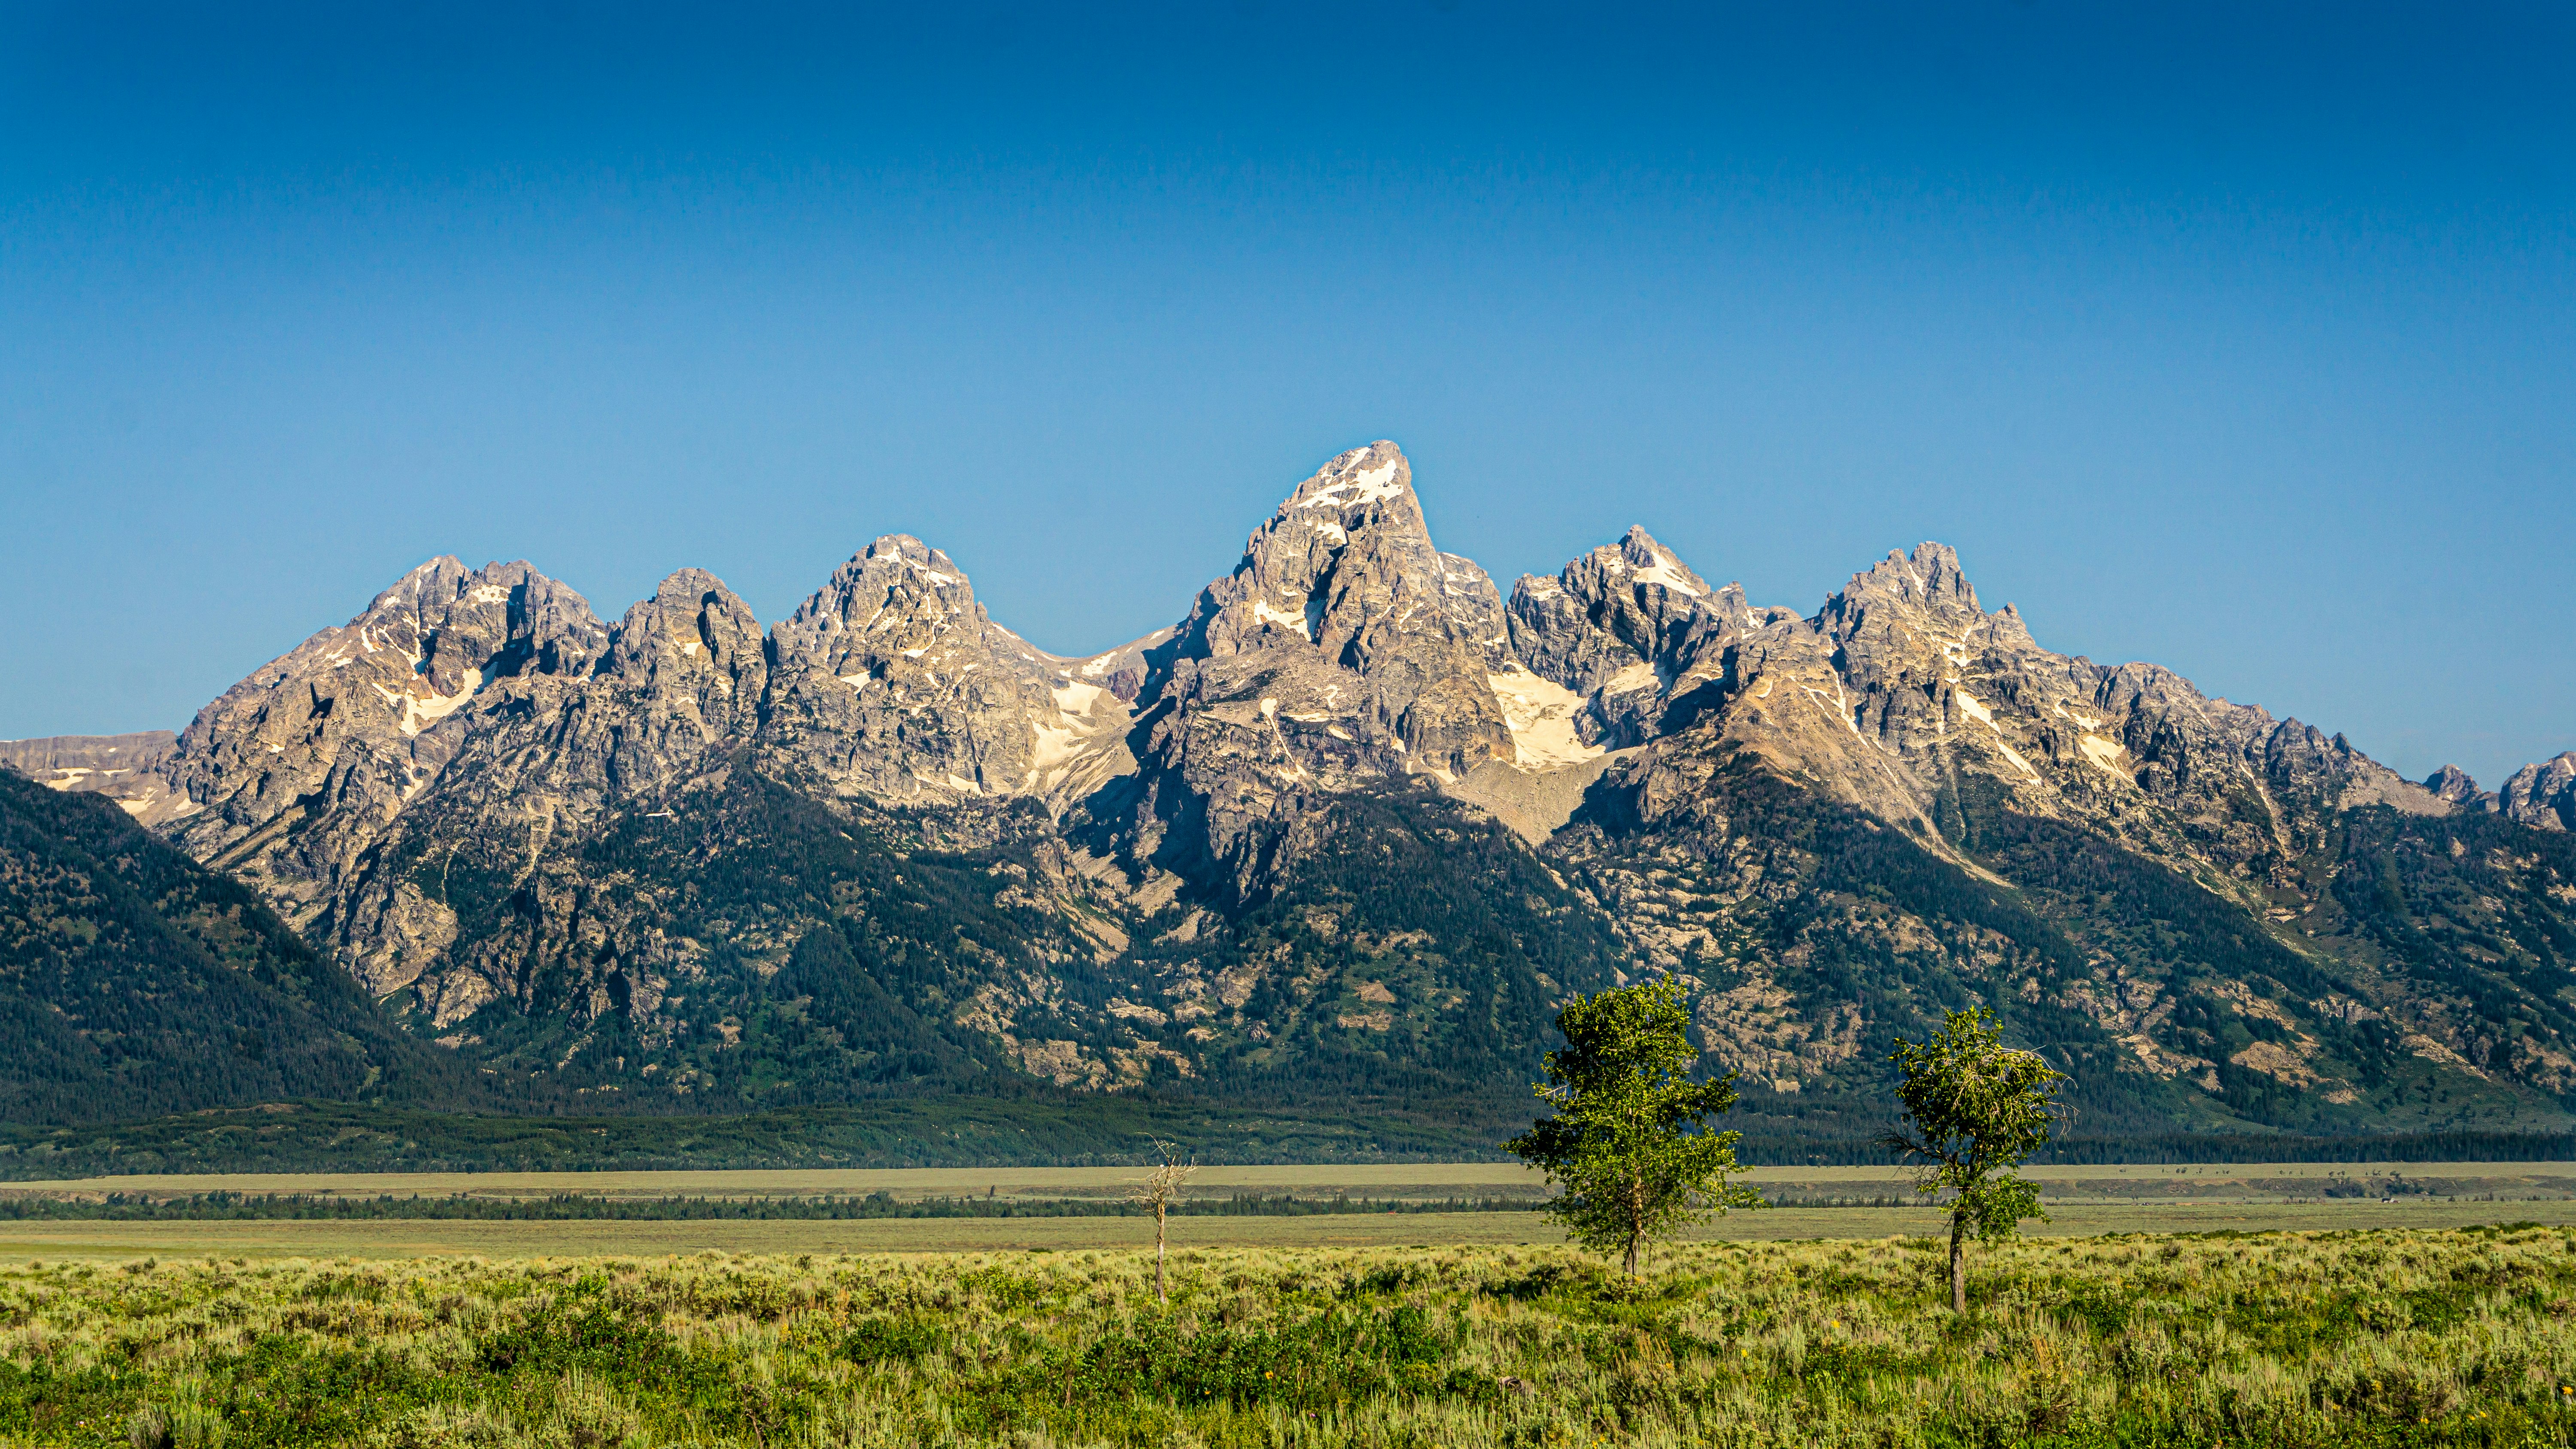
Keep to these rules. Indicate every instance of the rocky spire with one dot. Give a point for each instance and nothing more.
(2542, 796)
(1344, 649)
(892, 682)
(1630, 628)
(2453, 784)
(1927, 584)
(1343, 609)
(688, 670)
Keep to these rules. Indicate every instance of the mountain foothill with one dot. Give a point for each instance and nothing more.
(1337, 839)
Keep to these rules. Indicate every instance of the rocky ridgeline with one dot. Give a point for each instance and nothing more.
(426, 790)
(2542, 796)
(123, 768)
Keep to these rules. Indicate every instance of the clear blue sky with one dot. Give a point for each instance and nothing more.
(2240, 338)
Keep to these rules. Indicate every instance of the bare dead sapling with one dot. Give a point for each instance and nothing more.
(1161, 1188)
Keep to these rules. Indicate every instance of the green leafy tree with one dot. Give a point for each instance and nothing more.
(1629, 1142)
(1978, 1110)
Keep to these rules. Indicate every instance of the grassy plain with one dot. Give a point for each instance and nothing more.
(414, 1238)
(2397, 1338)
(2083, 1201)
(1438, 1179)
(2274, 1182)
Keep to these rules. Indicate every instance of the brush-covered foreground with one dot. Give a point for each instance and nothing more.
(2286, 1339)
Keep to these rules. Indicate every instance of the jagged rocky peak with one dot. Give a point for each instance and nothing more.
(1343, 650)
(1344, 615)
(2454, 784)
(1285, 587)
(298, 777)
(1642, 563)
(496, 620)
(695, 649)
(1930, 574)
(1910, 591)
(897, 601)
(892, 682)
(2543, 795)
(1629, 629)
(691, 618)
(389, 685)
(1903, 682)
(893, 586)
(1915, 657)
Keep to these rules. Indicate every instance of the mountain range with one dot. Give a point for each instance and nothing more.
(1336, 839)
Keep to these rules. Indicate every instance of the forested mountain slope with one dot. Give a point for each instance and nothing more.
(135, 982)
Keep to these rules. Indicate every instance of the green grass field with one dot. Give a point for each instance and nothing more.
(20, 1242)
(2351, 1340)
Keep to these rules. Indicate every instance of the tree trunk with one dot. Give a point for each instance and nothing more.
(1636, 1225)
(1958, 1264)
(1158, 1255)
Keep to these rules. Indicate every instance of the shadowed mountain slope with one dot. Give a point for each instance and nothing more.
(135, 982)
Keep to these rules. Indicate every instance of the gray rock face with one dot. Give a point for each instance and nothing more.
(463, 728)
(471, 728)
(892, 683)
(124, 768)
(675, 687)
(2453, 784)
(294, 773)
(1476, 610)
(1342, 601)
(1631, 629)
(1904, 684)
(2542, 796)
(692, 661)
(1904, 696)
(1344, 649)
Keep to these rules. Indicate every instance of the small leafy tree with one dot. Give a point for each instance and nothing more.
(1978, 1110)
(1160, 1188)
(1629, 1142)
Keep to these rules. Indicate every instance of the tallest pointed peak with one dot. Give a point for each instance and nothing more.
(1377, 473)
(1374, 455)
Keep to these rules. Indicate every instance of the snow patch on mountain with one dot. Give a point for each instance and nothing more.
(1284, 620)
(1667, 573)
(2101, 752)
(1540, 714)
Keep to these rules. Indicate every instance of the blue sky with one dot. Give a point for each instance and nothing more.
(2231, 337)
